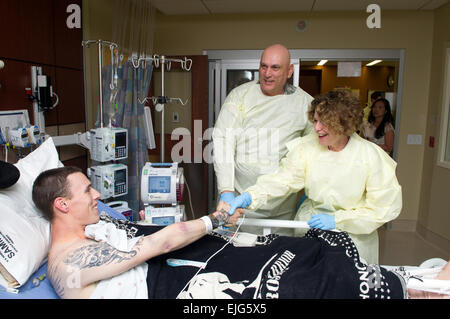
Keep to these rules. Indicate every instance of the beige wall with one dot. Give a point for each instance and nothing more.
(434, 212)
(412, 31)
(97, 25)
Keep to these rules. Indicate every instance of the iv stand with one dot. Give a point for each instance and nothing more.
(112, 47)
(186, 64)
(82, 139)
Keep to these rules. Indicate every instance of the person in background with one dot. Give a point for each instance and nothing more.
(255, 122)
(350, 183)
(378, 128)
(373, 97)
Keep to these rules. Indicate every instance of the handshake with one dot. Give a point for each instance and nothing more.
(231, 207)
(232, 204)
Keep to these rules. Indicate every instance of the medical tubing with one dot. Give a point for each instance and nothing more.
(212, 256)
(190, 199)
(100, 80)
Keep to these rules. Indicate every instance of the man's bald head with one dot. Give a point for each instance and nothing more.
(275, 69)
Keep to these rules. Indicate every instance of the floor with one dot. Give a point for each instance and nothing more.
(406, 248)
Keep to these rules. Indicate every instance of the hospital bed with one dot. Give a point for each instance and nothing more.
(424, 273)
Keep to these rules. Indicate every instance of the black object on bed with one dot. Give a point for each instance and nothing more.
(9, 175)
(322, 264)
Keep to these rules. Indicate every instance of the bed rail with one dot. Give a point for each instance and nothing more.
(268, 224)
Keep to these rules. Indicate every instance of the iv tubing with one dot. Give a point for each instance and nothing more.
(100, 63)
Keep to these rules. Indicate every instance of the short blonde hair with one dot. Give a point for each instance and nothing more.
(338, 110)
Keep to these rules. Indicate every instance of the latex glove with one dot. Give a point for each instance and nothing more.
(322, 221)
(242, 201)
(227, 197)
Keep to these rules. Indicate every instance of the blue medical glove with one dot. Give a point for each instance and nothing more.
(242, 201)
(322, 221)
(227, 197)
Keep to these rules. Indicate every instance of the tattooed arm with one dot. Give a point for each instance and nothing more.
(74, 271)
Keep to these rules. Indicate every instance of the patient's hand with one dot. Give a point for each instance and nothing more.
(222, 218)
(222, 205)
(238, 213)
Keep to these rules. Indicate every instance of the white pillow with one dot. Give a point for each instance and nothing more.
(24, 233)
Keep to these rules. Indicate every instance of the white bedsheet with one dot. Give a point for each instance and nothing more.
(131, 284)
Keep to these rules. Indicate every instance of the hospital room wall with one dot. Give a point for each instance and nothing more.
(434, 213)
(35, 33)
(97, 15)
(408, 30)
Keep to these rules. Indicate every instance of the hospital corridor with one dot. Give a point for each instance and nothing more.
(224, 149)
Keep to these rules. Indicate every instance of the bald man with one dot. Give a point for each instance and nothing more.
(255, 122)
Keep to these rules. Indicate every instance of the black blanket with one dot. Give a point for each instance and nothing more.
(322, 264)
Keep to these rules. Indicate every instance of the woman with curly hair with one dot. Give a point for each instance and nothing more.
(350, 183)
(378, 128)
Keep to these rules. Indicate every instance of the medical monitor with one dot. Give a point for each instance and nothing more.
(159, 184)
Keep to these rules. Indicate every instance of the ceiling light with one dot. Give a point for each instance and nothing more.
(373, 62)
(322, 62)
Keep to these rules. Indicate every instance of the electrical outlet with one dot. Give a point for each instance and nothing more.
(414, 139)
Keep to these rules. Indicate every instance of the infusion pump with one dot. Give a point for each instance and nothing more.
(164, 216)
(109, 180)
(162, 187)
(108, 144)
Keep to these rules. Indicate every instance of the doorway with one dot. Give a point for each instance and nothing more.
(311, 81)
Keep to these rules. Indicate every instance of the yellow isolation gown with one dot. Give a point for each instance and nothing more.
(357, 185)
(249, 140)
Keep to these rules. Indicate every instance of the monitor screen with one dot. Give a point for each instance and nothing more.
(120, 176)
(121, 139)
(163, 220)
(159, 184)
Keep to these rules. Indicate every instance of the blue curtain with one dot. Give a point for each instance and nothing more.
(125, 111)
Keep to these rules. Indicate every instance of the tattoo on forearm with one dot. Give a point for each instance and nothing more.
(219, 218)
(97, 254)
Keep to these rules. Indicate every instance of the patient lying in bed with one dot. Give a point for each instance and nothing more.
(94, 257)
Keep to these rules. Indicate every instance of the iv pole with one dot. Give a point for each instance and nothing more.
(82, 139)
(112, 47)
(163, 62)
(160, 101)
